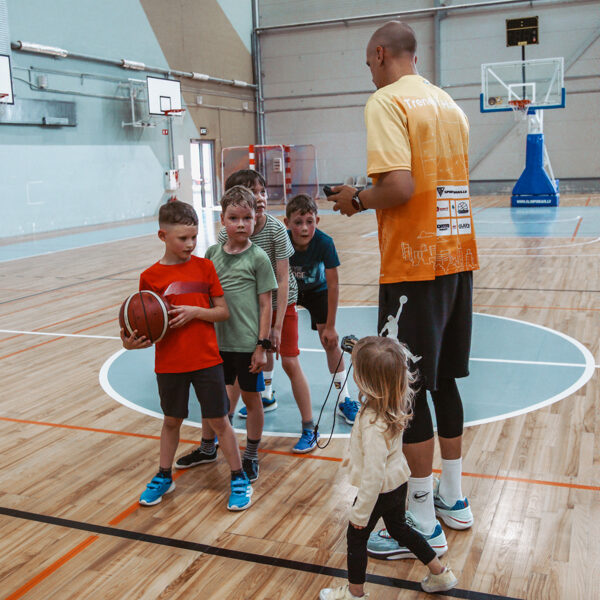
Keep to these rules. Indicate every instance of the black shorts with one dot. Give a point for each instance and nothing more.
(209, 385)
(236, 366)
(434, 319)
(316, 304)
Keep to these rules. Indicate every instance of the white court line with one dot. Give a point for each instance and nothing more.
(75, 335)
(511, 222)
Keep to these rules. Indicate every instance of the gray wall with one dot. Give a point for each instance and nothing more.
(300, 63)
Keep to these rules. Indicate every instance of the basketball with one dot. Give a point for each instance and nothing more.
(147, 313)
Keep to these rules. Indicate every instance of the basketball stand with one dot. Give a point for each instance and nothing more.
(527, 88)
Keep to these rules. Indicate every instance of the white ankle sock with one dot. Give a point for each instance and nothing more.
(450, 481)
(338, 381)
(420, 502)
(268, 393)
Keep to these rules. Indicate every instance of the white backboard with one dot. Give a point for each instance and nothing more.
(163, 94)
(5, 81)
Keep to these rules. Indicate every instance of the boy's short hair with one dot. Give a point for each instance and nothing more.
(238, 195)
(175, 212)
(245, 177)
(302, 203)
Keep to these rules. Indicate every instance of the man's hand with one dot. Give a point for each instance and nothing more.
(342, 199)
(329, 338)
(180, 315)
(259, 360)
(275, 337)
(133, 342)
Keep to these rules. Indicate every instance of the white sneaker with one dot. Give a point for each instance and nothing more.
(341, 593)
(458, 516)
(439, 583)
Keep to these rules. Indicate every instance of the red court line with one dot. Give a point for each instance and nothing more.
(157, 437)
(53, 567)
(587, 202)
(576, 228)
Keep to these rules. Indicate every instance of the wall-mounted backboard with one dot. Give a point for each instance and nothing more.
(6, 89)
(163, 95)
(539, 81)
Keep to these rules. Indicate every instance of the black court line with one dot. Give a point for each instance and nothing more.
(243, 556)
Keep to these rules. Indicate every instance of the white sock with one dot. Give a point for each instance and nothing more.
(268, 393)
(450, 482)
(420, 502)
(338, 381)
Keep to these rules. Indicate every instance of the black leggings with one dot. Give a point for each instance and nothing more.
(390, 506)
(448, 413)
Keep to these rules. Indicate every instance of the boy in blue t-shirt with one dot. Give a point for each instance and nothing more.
(314, 265)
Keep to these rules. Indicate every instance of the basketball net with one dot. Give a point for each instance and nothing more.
(519, 108)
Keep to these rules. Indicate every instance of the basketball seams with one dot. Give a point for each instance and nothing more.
(165, 312)
(147, 313)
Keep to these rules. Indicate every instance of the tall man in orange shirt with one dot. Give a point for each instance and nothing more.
(417, 157)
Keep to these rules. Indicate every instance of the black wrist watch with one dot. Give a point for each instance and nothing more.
(266, 344)
(358, 205)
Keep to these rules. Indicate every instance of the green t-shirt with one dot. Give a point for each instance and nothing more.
(243, 277)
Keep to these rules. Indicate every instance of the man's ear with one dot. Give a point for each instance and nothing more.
(286, 222)
(317, 219)
(380, 54)
(161, 235)
(222, 220)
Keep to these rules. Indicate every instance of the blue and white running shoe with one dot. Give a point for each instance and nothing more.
(307, 442)
(156, 489)
(349, 409)
(458, 516)
(241, 493)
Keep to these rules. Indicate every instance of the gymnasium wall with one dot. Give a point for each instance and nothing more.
(316, 83)
(57, 177)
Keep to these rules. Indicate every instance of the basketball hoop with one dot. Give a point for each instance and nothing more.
(174, 112)
(520, 108)
(3, 96)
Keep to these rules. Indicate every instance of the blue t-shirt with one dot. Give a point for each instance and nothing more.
(309, 266)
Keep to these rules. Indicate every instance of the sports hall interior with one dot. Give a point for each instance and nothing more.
(84, 169)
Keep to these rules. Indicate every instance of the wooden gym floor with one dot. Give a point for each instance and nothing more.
(74, 461)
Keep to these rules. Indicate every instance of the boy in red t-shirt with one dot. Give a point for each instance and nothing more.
(189, 353)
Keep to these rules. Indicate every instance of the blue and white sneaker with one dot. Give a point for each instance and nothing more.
(458, 516)
(156, 489)
(307, 442)
(269, 404)
(382, 545)
(349, 409)
(241, 493)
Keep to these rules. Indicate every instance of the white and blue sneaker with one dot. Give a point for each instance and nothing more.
(307, 442)
(241, 493)
(349, 409)
(156, 489)
(458, 516)
(269, 404)
(382, 545)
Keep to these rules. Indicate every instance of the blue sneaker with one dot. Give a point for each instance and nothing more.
(250, 466)
(241, 493)
(269, 404)
(307, 442)
(156, 489)
(458, 516)
(382, 545)
(349, 409)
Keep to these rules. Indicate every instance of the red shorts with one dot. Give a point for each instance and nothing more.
(289, 332)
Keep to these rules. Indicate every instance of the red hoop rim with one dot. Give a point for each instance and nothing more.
(173, 111)
(519, 104)
(3, 95)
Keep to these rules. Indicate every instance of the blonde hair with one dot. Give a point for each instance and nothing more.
(384, 380)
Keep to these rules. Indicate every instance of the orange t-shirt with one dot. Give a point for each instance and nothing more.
(193, 283)
(415, 126)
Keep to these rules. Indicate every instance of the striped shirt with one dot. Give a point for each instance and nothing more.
(274, 240)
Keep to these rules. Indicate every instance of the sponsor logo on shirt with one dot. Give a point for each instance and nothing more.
(443, 227)
(463, 208)
(464, 226)
(443, 209)
(452, 191)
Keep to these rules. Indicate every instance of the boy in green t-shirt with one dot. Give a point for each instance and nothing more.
(247, 279)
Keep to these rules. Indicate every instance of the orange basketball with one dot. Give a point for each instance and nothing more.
(147, 313)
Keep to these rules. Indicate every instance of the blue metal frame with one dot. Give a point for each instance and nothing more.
(531, 109)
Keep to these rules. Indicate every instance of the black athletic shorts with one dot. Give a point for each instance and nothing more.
(316, 304)
(236, 366)
(209, 385)
(434, 319)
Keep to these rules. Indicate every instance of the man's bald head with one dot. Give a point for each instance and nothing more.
(396, 37)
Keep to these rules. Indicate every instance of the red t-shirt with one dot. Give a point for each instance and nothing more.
(193, 346)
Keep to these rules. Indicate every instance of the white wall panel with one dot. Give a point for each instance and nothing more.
(301, 63)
